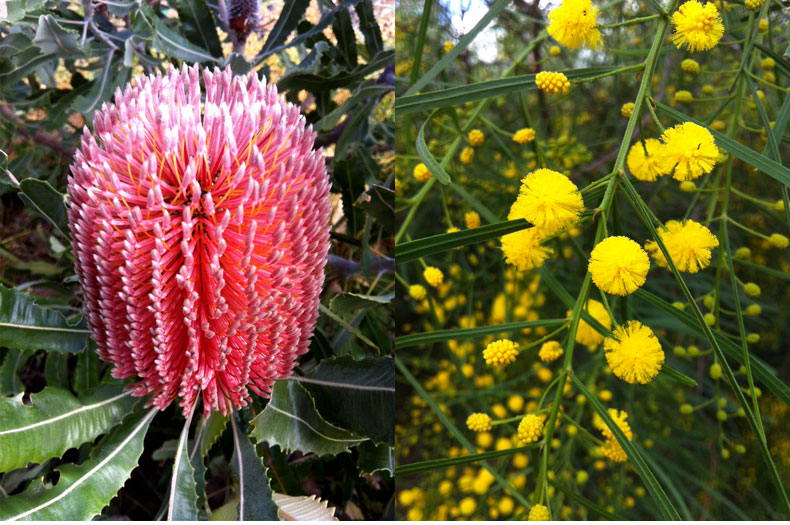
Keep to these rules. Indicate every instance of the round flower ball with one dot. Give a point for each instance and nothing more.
(501, 352)
(697, 27)
(634, 353)
(433, 276)
(618, 265)
(549, 200)
(476, 138)
(644, 160)
(524, 136)
(200, 226)
(689, 150)
(574, 24)
(530, 429)
(478, 422)
(550, 351)
(586, 334)
(552, 82)
(539, 513)
(421, 172)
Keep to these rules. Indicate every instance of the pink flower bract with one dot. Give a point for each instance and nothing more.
(200, 225)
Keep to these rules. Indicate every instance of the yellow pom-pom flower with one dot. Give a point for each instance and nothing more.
(555, 51)
(684, 97)
(586, 334)
(472, 219)
(478, 422)
(619, 417)
(618, 265)
(614, 451)
(448, 46)
(573, 24)
(697, 27)
(768, 63)
(549, 200)
(530, 429)
(467, 155)
(688, 243)
(550, 351)
(634, 353)
(752, 289)
(417, 292)
(539, 513)
(523, 250)
(524, 136)
(554, 83)
(627, 109)
(690, 150)
(646, 166)
(502, 352)
(421, 172)
(708, 90)
(690, 66)
(476, 138)
(778, 240)
(753, 5)
(433, 276)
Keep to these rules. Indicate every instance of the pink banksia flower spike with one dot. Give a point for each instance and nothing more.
(200, 227)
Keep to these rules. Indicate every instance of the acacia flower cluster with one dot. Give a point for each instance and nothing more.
(200, 221)
(573, 24)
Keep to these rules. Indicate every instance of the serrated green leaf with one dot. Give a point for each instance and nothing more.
(199, 24)
(369, 27)
(26, 326)
(174, 45)
(57, 421)
(46, 201)
(84, 490)
(351, 302)
(291, 421)
(375, 458)
(255, 495)
(291, 14)
(16, 9)
(52, 38)
(13, 44)
(86, 373)
(356, 395)
(10, 383)
(182, 500)
(13, 71)
(417, 249)
(100, 91)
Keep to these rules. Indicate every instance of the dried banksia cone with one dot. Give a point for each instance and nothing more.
(200, 230)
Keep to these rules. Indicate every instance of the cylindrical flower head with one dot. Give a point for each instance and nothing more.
(200, 225)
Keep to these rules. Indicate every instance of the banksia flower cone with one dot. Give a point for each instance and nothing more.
(200, 232)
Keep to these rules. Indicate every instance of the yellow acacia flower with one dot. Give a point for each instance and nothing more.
(551, 82)
(646, 166)
(688, 243)
(448, 46)
(690, 66)
(573, 24)
(555, 51)
(550, 351)
(421, 172)
(523, 250)
(530, 429)
(472, 219)
(684, 97)
(501, 352)
(634, 353)
(476, 138)
(753, 5)
(698, 27)
(549, 200)
(690, 150)
(627, 109)
(614, 451)
(752, 289)
(539, 513)
(778, 240)
(767, 63)
(467, 155)
(433, 276)
(619, 417)
(524, 136)
(586, 334)
(417, 292)
(478, 422)
(618, 265)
